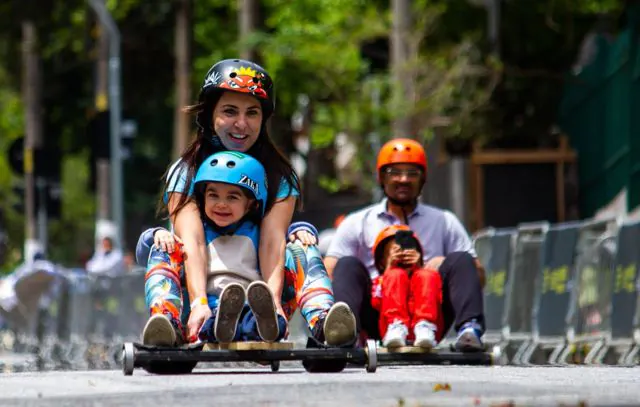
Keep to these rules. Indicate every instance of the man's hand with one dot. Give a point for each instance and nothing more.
(199, 314)
(435, 262)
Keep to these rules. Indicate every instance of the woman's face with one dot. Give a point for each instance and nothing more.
(237, 120)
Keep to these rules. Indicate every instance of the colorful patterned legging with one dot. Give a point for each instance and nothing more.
(306, 286)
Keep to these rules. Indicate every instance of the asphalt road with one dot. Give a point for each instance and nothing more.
(389, 386)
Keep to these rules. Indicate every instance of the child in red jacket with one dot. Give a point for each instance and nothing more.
(408, 295)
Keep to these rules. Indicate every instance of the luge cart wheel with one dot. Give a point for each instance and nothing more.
(275, 365)
(372, 356)
(128, 358)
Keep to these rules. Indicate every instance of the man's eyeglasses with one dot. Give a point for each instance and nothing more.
(396, 173)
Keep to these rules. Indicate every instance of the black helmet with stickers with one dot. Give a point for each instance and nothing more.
(236, 75)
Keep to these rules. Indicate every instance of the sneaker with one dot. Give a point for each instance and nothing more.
(230, 307)
(159, 331)
(468, 339)
(396, 335)
(425, 335)
(339, 325)
(261, 303)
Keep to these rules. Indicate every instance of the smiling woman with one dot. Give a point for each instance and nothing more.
(236, 100)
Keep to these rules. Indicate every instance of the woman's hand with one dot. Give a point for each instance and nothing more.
(199, 314)
(306, 238)
(166, 241)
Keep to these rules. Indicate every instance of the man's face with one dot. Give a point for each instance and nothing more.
(402, 182)
(107, 244)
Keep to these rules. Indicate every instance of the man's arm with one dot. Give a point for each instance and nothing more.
(344, 243)
(458, 240)
(330, 263)
(481, 272)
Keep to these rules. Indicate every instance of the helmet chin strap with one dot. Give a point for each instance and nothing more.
(404, 205)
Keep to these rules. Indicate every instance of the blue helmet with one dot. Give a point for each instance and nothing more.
(235, 168)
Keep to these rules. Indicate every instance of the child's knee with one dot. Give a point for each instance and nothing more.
(428, 274)
(395, 272)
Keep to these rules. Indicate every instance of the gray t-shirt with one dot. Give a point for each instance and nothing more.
(440, 233)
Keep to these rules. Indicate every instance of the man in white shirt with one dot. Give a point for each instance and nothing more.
(446, 246)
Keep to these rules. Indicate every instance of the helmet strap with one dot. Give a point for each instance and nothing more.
(404, 207)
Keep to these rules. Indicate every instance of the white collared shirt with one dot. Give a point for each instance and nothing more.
(440, 233)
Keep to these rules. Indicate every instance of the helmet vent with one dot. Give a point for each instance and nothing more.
(231, 164)
(214, 162)
(233, 75)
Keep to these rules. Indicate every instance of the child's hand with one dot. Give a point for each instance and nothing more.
(394, 257)
(411, 257)
(166, 241)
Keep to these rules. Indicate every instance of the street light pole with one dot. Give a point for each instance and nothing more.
(115, 116)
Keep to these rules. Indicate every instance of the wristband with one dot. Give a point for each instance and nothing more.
(199, 301)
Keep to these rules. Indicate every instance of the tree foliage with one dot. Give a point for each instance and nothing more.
(311, 48)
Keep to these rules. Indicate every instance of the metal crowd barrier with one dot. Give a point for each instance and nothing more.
(564, 293)
(81, 323)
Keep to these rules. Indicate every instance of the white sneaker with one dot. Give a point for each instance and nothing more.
(396, 335)
(425, 333)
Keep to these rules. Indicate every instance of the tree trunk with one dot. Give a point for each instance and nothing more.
(182, 51)
(402, 79)
(248, 23)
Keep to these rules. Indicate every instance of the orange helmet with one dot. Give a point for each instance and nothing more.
(402, 151)
(386, 233)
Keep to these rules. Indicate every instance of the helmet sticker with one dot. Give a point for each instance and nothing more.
(212, 79)
(253, 185)
(245, 80)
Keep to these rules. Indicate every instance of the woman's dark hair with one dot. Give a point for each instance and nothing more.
(276, 165)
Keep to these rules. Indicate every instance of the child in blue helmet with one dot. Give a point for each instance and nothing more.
(230, 191)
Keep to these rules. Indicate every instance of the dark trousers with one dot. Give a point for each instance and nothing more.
(462, 298)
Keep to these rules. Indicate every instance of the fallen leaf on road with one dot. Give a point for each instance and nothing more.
(442, 387)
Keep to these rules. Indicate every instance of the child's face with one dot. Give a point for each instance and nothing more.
(225, 204)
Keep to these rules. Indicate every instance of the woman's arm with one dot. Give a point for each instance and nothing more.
(273, 231)
(188, 226)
